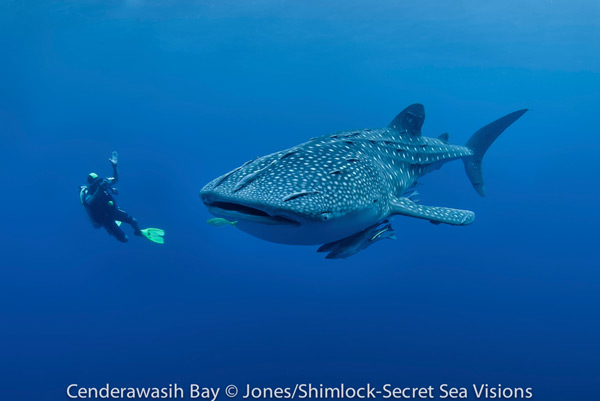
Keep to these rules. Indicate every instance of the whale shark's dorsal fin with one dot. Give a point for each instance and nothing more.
(410, 120)
(444, 137)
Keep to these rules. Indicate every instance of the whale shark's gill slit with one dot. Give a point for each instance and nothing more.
(352, 159)
(299, 194)
(335, 172)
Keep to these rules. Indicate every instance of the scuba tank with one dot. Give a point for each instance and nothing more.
(82, 194)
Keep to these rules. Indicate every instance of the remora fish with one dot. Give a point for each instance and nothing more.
(339, 189)
(220, 222)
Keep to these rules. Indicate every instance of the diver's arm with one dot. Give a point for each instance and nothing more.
(114, 161)
(115, 178)
(90, 199)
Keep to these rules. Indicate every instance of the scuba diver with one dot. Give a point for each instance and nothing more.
(97, 200)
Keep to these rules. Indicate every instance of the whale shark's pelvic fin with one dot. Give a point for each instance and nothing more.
(348, 246)
(480, 142)
(435, 214)
(410, 120)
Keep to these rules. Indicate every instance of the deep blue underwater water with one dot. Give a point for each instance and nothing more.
(187, 91)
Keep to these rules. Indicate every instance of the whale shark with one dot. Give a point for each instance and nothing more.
(341, 190)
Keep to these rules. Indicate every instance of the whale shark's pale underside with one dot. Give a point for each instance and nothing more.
(340, 190)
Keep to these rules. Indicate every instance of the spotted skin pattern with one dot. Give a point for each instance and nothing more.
(335, 186)
(353, 168)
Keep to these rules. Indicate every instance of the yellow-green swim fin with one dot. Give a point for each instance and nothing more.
(154, 235)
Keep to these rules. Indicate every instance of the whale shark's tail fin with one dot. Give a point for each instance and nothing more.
(480, 142)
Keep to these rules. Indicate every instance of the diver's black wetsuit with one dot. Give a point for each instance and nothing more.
(104, 210)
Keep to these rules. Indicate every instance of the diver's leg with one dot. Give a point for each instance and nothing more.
(121, 215)
(113, 229)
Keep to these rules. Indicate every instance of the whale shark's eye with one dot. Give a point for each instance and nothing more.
(325, 216)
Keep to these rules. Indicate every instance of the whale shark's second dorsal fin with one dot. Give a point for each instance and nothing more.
(444, 137)
(410, 120)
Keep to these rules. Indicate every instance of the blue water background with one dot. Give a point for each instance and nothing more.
(187, 91)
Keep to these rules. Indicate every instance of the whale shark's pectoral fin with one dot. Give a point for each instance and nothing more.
(435, 214)
(350, 245)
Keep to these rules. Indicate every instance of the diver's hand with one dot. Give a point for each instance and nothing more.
(114, 158)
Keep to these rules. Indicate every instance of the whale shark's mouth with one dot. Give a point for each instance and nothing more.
(239, 211)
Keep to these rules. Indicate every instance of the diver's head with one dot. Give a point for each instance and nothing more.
(92, 178)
